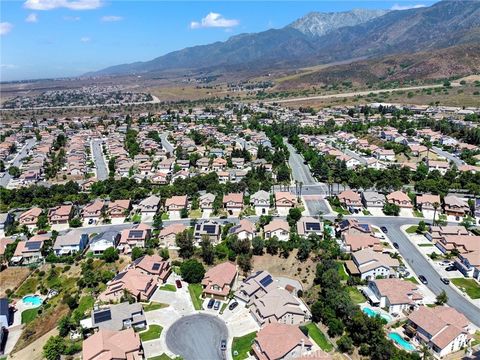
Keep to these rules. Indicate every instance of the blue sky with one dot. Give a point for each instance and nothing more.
(56, 38)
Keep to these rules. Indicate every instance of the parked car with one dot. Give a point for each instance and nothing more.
(233, 305)
(217, 305)
(450, 268)
(90, 221)
(423, 279)
(384, 229)
(446, 263)
(210, 303)
(395, 245)
(445, 280)
(223, 345)
(178, 283)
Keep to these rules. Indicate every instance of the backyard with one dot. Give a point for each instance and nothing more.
(242, 346)
(315, 333)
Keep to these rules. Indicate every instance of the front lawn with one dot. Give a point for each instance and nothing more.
(168, 287)
(165, 216)
(417, 213)
(195, 291)
(366, 212)
(164, 357)
(153, 332)
(318, 336)
(412, 229)
(242, 346)
(154, 306)
(412, 280)
(356, 296)
(195, 214)
(136, 218)
(30, 315)
(470, 286)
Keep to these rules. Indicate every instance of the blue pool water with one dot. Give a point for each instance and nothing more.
(32, 300)
(401, 342)
(372, 313)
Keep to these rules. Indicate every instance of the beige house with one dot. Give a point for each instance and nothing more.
(455, 206)
(350, 199)
(60, 214)
(233, 203)
(113, 345)
(278, 228)
(400, 199)
(284, 201)
(427, 202)
(168, 234)
(118, 208)
(219, 281)
(30, 217)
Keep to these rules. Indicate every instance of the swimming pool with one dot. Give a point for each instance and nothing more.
(372, 313)
(400, 341)
(32, 300)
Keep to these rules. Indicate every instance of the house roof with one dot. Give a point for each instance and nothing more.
(174, 228)
(35, 212)
(277, 224)
(150, 201)
(180, 200)
(221, 274)
(108, 344)
(398, 291)
(398, 196)
(233, 197)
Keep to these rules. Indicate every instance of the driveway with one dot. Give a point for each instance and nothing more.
(197, 337)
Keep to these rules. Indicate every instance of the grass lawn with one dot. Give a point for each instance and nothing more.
(340, 210)
(366, 212)
(153, 332)
(165, 216)
(29, 315)
(136, 218)
(222, 309)
(317, 335)
(341, 271)
(242, 346)
(476, 338)
(154, 306)
(417, 213)
(195, 291)
(356, 296)
(168, 287)
(425, 245)
(195, 214)
(86, 303)
(470, 286)
(164, 357)
(412, 229)
(28, 287)
(412, 280)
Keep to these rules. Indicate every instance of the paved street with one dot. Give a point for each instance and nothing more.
(197, 337)
(447, 155)
(99, 159)
(166, 145)
(300, 171)
(17, 161)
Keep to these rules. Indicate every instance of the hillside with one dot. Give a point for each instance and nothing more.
(431, 65)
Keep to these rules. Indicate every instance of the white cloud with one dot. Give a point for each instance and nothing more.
(5, 28)
(32, 18)
(214, 20)
(68, 4)
(8, 66)
(111, 18)
(406, 7)
(85, 39)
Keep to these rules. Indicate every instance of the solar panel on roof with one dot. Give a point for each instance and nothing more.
(267, 280)
(312, 226)
(210, 229)
(135, 234)
(101, 316)
(364, 226)
(119, 276)
(33, 245)
(156, 266)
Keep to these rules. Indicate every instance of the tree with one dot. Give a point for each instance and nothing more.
(75, 222)
(64, 326)
(208, 251)
(391, 209)
(245, 262)
(294, 214)
(435, 205)
(272, 245)
(14, 171)
(304, 250)
(184, 241)
(257, 245)
(54, 348)
(442, 298)
(345, 344)
(110, 255)
(136, 253)
(192, 271)
(421, 227)
(157, 221)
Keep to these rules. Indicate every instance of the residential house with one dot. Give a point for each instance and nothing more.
(373, 199)
(92, 212)
(261, 202)
(208, 228)
(30, 217)
(219, 164)
(396, 295)
(29, 251)
(371, 264)
(75, 241)
(134, 281)
(441, 166)
(436, 233)
(112, 345)
(277, 227)
(244, 230)
(60, 214)
(308, 225)
(206, 201)
(153, 265)
(168, 234)
(428, 202)
(116, 317)
(384, 154)
(350, 199)
(101, 242)
(455, 206)
(6, 319)
(219, 281)
(353, 242)
(135, 237)
(278, 306)
(175, 205)
(254, 287)
(233, 203)
(282, 341)
(284, 201)
(443, 329)
(118, 209)
(149, 207)
(400, 199)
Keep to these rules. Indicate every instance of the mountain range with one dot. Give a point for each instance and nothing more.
(322, 38)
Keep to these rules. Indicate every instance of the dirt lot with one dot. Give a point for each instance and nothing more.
(35, 349)
(290, 267)
(12, 277)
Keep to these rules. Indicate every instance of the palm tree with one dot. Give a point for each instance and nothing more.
(425, 352)
(435, 205)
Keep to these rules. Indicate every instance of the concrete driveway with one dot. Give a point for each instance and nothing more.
(197, 337)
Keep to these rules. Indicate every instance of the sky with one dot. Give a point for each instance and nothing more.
(63, 38)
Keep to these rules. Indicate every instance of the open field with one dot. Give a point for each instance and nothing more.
(11, 278)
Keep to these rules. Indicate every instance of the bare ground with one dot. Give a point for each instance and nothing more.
(11, 278)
